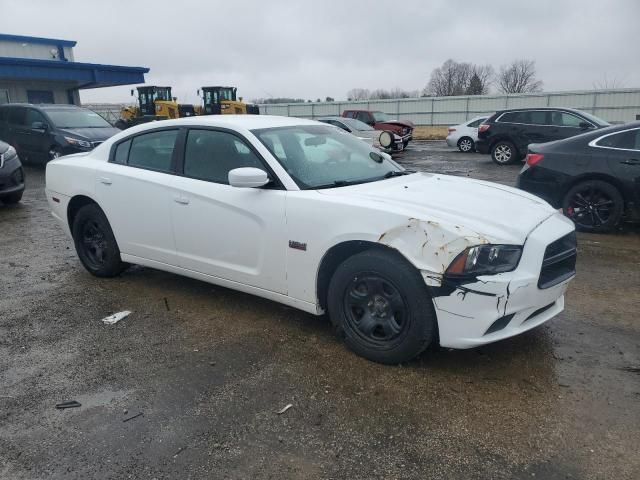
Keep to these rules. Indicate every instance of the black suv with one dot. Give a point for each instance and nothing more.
(507, 133)
(43, 132)
(11, 175)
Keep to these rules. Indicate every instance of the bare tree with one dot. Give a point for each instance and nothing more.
(450, 79)
(358, 94)
(519, 77)
(607, 83)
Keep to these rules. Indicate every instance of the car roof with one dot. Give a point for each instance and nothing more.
(333, 117)
(540, 108)
(248, 122)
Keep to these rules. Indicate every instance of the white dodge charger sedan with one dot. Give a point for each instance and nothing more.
(307, 215)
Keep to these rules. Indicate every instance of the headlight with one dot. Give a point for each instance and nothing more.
(10, 153)
(485, 260)
(386, 139)
(78, 143)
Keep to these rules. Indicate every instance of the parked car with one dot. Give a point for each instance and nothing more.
(11, 175)
(40, 133)
(593, 177)
(390, 142)
(382, 121)
(300, 213)
(465, 135)
(506, 134)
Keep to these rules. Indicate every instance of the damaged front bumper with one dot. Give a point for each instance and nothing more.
(494, 307)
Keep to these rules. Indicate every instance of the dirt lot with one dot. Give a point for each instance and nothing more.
(208, 368)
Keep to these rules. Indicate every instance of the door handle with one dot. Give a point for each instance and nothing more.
(105, 180)
(633, 161)
(181, 200)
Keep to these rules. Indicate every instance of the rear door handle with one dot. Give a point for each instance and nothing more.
(105, 180)
(181, 200)
(633, 161)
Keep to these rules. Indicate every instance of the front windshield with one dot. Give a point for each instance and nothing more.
(162, 94)
(380, 117)
(77, 119)
(598, 121)
(319, 156)
(356, 124)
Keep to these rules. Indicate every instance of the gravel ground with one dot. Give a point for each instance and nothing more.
(208, 368)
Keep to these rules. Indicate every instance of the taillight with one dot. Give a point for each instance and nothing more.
(451, 130)
(483, 127)
(533, 158)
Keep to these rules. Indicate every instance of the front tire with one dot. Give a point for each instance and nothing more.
(504, 153)
(466, 144)
(380, 305)
(11, 199)
(95, 244)
(594, 206)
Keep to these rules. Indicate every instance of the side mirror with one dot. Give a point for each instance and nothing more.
(39, 126)
(585, 125)
(248, 177)
(175, 99)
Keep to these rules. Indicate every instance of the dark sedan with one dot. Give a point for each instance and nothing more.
(11, 175)
(593, 177)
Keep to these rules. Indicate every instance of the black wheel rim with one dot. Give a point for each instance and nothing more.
(93, 244)
(590, 207)
(375, 310)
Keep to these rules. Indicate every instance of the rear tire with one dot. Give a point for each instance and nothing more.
(380, 305)
(11, 199)
(466, 144)
(95, 244)
(594, 206)
(504, 152)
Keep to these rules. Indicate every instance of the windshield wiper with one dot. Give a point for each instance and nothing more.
(397, 173)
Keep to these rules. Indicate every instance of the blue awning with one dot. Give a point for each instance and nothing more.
(85, 75)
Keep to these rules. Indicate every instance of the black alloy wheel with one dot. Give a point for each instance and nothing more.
(594, 206)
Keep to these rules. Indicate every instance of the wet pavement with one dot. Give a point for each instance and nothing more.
(208, 368)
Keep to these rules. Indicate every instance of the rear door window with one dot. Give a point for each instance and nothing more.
(537, 117)
(153, 151)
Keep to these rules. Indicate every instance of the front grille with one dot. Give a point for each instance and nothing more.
(559, 261)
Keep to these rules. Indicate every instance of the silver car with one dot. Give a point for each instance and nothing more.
(383, 140)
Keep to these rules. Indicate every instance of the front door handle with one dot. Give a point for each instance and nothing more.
(105, 180)
(633, 161)
(181, 200)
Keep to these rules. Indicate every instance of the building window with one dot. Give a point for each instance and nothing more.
(4, 96)
(40, 96)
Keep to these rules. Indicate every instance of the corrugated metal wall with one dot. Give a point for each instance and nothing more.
(617, 106)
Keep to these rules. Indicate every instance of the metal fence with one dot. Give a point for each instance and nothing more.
(110, 111)
(616, 106)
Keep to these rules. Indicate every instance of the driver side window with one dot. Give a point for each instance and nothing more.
(32, 117)
(210, 155)
(364, 117)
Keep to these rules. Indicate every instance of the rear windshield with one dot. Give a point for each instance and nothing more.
(76, 119)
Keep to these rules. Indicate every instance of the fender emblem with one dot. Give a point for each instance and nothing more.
(297, 245)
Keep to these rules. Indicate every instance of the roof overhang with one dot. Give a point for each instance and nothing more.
(84, 75)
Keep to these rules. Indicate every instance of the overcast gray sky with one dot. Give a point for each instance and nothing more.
(314, 49)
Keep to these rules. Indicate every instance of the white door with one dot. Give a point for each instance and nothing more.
(237, 234)
(133, 190)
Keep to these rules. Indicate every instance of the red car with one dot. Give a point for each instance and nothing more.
(381, 121)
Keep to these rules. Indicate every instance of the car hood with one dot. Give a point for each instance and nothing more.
(398, 123)
(498, 213)
(99, 134)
